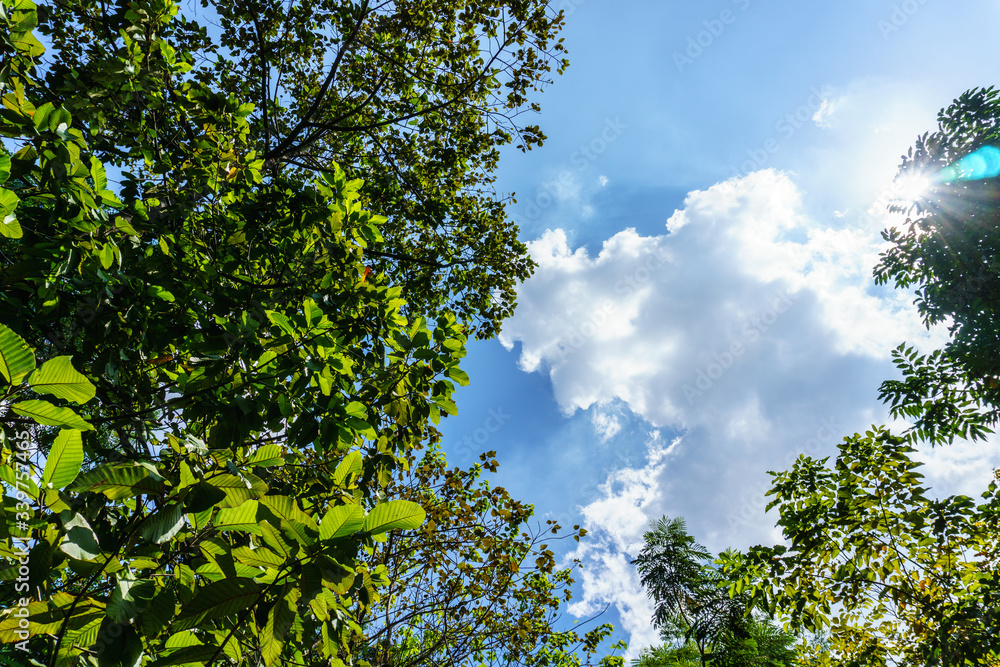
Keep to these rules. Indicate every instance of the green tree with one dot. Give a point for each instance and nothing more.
(949, 252)
(669, 654)
(894, 576)
(695, 606)
(207, 390)
(415, 97)
(897, 577)
(202, 491)
(477, 584)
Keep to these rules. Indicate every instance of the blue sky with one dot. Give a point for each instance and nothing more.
(706, 214)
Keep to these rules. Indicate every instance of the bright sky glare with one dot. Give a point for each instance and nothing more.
(706, 216)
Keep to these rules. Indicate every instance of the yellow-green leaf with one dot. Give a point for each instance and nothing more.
(394, 515)
(47, 414)
(64, 461)
(58, 377)
(341, 520)
(16, 358)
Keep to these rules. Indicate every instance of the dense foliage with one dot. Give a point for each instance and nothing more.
(949, 252)
(416, 97)
(478, 584)
(891, 574)
(701, 618)
(210, 388)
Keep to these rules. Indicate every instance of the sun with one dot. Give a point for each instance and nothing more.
(911, 187)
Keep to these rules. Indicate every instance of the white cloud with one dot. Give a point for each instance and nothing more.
(608, 577)
(748, 325)
(825, 112)
(606, 423)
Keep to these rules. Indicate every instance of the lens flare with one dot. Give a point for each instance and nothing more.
(976, 166)
(911, 187)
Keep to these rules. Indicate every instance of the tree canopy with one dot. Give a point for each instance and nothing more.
(949, 252)
(702, 619)
(894, 575)
(415, 97)
(210, 378)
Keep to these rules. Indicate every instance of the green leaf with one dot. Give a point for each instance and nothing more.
(187, 655)
(394, 515)
(282, 321)
(58, 377)
(242, 518)
(273, 538)
(63, 463)
(203, 496)
(341, 520)
(259, 557)
(10, 227)
(164, 524)
(16, 358)
(279, 620)
(353, 462)
(28, 44)
(80, 541)
(126, 226)
(119, 480)
(222, 598)
(458, 375)
(267, 456)
(106, 255)
(238, 489)
(47, 414)
(159, 292)
(4, 168)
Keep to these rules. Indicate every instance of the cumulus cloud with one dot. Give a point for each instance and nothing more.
(748, 326)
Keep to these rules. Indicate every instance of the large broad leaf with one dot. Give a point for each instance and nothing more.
(279, 620)
(58, 377)
(297, 524)
(222, 598)
(188, 655)
(64, 461)
(164, 524)
(47, 414)
(119, 480)
(341, 520)
(273, 538)
(80, 542)
(16, 358)
(238, 489)
(267, 456)
(353, 462)
(259, 557)
(242, 518)
(9, 226)
(394, 515)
